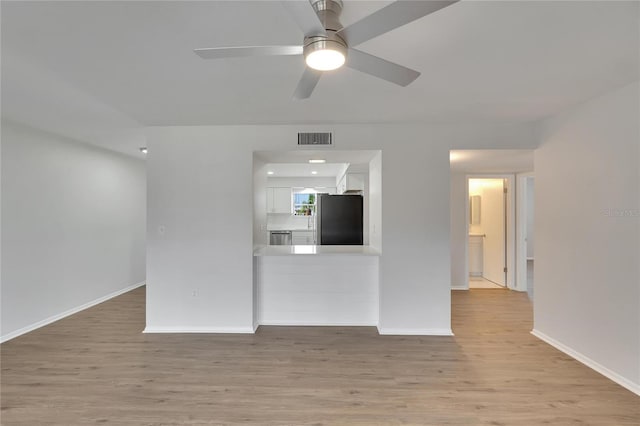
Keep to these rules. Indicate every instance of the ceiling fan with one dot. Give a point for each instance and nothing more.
(328, 45)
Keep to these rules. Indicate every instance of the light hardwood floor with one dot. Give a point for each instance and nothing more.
(480, 282)
(96, 367)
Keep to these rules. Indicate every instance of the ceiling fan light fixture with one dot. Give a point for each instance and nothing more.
(325, 53)
(325, 59)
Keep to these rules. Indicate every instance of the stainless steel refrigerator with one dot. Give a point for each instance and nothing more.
(339, 219)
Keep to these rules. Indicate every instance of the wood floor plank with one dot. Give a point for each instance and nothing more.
(96, 367)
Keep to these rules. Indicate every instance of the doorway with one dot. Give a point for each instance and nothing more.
(488, 233)
(509, 167)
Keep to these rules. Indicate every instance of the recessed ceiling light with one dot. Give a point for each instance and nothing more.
(269, 172)
(143, 149)
(314, 172)
(317, 161)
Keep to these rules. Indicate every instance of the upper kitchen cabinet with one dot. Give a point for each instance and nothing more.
(351, 182)
(279, 200)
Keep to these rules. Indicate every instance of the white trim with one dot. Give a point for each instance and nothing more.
(415, 331)
(521, 230)
(204, 330)
(459, 287)
(318, 324)
(71, 311)
(467, 210)
(622, 381)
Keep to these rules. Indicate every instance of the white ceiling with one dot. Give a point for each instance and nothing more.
(491, 161)
(97, 71)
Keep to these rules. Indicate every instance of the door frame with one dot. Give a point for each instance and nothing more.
(511, 226)
(521, 230)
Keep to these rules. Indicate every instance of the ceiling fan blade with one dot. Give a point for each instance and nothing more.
(307, 83)
(380, 68)
(305, 16)
(388, 18)
(243, 51)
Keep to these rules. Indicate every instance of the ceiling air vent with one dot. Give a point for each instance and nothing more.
(315, 139)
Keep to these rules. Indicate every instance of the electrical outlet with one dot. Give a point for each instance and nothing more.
(194, 292)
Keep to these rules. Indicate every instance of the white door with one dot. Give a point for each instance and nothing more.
(493, 227)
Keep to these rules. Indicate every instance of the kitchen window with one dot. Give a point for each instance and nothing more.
(304, 202)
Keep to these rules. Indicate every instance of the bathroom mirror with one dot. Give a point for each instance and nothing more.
(474, 210)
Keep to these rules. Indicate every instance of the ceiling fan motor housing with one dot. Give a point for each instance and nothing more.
(329, 13)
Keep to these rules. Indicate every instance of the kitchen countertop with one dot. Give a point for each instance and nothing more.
(323, 250)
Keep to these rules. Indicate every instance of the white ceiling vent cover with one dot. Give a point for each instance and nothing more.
(315, 139)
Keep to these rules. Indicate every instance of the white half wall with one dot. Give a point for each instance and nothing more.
(317, 290)
(587, 226)
(200, 219)
(73, 226)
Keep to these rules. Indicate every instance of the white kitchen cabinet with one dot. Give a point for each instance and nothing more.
(279, 200)
(302, 238)
(475, 255)
(270, 206)
(355, 182)
(342, 185)
(351, 182)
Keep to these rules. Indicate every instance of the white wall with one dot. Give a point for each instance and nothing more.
(366, 213)
(375, 201)
(260, 184)
(73, 226)
(200, 186)
(587, 225)
(458, 230)
(530, 209)
(301, 182)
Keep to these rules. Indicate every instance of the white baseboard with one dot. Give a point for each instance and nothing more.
(461, 287)
(318, 324)
(626, 383)
(204, 330)
(415, 331)
(64, 314)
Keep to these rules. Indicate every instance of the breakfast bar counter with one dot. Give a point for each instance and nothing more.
(316, 285)
(324, 250)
